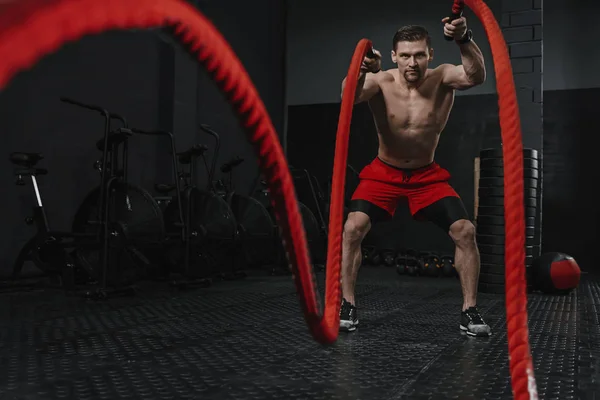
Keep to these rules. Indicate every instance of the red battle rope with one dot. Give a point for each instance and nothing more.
(31, 29)
(520, 362)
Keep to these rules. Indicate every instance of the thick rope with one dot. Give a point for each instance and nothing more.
(31, 29)
(520, 361)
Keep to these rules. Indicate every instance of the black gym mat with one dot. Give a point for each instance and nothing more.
(248, 340)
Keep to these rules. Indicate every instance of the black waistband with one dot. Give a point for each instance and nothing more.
(424, 167)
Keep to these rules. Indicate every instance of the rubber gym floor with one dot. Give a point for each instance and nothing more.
(247, 340)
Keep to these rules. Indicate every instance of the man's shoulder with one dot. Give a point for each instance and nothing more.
(387, 75)
(440, 69)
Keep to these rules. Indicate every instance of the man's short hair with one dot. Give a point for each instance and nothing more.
(411, 33)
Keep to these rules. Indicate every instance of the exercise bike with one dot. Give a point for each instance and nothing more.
(232, 247)
(209, 225)
(310, 195)
(48, 249)
(259, 238)
(124, 216)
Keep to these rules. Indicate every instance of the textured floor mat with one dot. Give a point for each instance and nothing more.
(248, 340)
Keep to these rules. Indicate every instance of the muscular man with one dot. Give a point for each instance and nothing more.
(410, 105)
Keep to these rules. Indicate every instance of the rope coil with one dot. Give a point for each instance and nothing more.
(31, 29)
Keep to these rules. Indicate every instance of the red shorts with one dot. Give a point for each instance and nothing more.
(383, 185)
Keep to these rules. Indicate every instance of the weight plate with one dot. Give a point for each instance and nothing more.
(491, 288)
(499, 192)
(499, 172)
(493, 269)
(499, 279)
(499, 162)
(491, 278)
(498, 240)
(499, 230)
(528, 183)
(499, 211)
(497, 153)
(499, 201)
(499, 250)
(499, 220)
(499, 259)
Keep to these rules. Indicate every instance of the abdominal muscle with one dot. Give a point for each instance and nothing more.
(409, 123)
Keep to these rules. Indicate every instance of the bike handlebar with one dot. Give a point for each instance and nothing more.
(213, 167)
(93, 107)
(154, 133)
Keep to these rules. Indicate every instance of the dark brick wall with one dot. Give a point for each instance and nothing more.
(522, 28)
(521, 23)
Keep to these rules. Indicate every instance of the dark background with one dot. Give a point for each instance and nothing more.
(155, 84)
(142, 75)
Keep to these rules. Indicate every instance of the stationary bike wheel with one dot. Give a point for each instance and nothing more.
(256, 230)
(313, 232)
(211, 223)
(48, 255)
(135, 225)
(210, 216)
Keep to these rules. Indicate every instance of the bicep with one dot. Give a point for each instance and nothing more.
(455, 77)
(370, 88)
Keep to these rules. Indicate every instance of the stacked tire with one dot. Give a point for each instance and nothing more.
(490, 217)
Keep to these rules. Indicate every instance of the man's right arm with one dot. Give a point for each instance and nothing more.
(366, 88)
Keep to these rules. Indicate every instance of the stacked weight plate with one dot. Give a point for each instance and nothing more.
(490, 217)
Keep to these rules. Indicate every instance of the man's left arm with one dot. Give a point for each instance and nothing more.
(471, 72)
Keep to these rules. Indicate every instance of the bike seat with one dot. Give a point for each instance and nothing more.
(31, 171)
(163, 188)
(229, 166)
(185, 157)
(27, 160)
(114, 138)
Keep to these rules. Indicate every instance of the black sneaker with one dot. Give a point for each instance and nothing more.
(348, 317)
(473, 324)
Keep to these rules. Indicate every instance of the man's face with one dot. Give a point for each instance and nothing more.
(412, 59)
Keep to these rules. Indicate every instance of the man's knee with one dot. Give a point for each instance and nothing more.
(462, 233)
(356, 227)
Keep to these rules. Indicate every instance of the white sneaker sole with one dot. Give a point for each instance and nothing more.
(468, 332)
(348, 326)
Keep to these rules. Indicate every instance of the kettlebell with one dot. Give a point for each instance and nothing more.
(366, 255)
(433, 265)
(413, 262)
(401, 269)
(375, 257)
(448, 266)
(388, 258)
(400, 262)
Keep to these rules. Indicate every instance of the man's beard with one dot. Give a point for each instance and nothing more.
(412, 75)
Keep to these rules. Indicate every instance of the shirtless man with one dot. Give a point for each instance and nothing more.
(410, 105)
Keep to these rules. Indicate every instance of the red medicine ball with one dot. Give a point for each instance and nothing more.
(555, 273)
